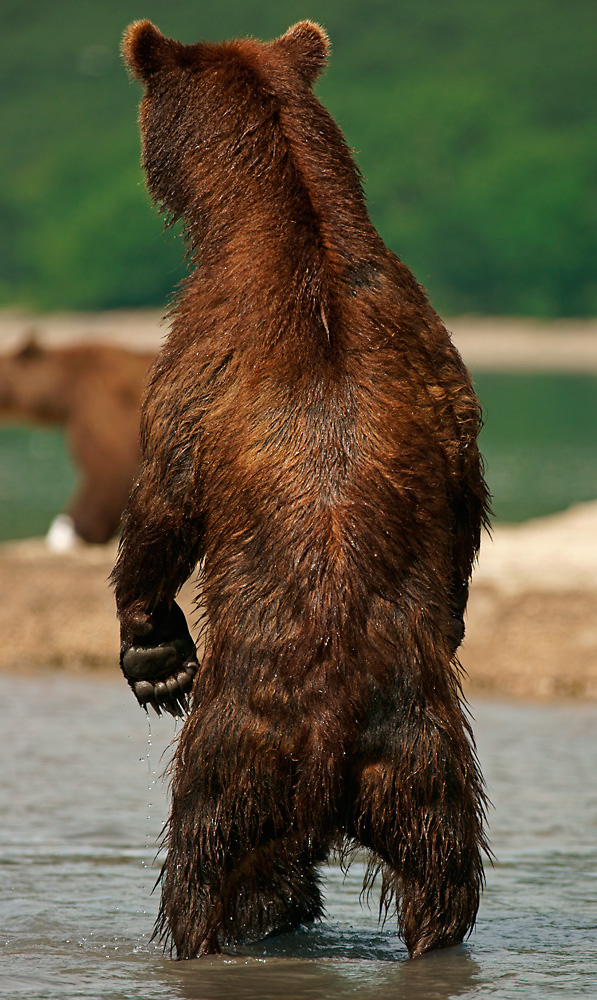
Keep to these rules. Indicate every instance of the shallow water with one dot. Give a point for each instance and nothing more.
(82, 810)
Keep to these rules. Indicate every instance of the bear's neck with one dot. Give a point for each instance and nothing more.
(293, 222)
(328, 184)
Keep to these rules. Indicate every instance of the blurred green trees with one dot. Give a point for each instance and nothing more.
(474, 125)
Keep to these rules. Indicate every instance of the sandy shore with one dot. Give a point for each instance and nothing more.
(531, 625)
(532, 616)
(486, 343)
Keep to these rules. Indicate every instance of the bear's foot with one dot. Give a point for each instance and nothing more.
(159, 661)
(424, 942)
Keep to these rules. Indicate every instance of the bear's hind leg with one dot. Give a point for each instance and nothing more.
(271, 888)
(420, 812)
(238, 867)
(274, 889)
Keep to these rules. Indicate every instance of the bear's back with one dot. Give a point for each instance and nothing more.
(322, 488)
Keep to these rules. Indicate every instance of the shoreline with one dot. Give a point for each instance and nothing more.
(486, 343)
(531, 624)
(532, 614)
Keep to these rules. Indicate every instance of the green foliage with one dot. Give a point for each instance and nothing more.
(474, 126)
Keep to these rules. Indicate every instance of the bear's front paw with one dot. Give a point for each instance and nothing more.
(161, 664)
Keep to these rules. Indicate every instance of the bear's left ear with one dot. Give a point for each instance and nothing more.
(308, 47)
(30, 349)
(145, 50)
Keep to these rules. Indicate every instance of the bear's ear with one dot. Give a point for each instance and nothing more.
(30, 349)
(308, 47)
(145, 50)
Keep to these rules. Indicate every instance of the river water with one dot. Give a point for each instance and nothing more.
(82, 806)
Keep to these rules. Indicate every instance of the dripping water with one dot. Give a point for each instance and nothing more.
(150, 783)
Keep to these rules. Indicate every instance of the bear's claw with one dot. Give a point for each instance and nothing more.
(170, 695)
(161, 664)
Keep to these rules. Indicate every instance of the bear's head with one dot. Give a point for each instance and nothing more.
(204, 104)
(33, 383)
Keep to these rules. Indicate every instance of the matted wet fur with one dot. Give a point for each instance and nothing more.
(309, 432)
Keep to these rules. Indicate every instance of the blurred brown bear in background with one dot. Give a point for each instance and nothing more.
(94, 390)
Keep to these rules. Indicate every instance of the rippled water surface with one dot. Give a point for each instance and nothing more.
(81, 812)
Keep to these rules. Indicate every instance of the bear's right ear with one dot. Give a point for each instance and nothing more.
(308, 46)
(145, 50)
(30, 349)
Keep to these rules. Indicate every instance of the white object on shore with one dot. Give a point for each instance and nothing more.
(61, 536)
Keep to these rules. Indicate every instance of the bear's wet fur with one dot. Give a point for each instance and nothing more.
(310, 433)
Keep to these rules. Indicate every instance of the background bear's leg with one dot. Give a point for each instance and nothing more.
(96, 509)
(420, 812)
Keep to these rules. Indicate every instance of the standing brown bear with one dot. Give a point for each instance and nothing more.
(309, 432)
